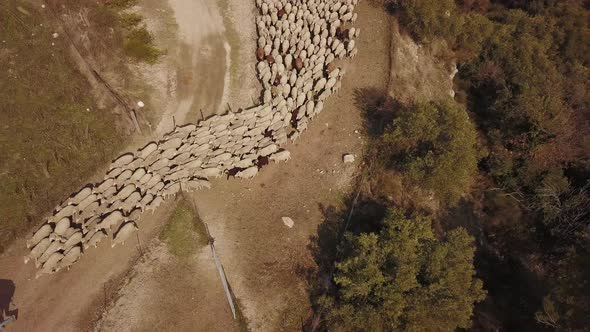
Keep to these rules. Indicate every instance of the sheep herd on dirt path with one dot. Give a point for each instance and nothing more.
(300, 48)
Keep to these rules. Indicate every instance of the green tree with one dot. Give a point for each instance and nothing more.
(427, 19)
(434, 145)
(404, 279)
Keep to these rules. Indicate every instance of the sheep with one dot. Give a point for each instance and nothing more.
(87, 201)
(124, 176)
(52, 248)
(95, 239)
(39, 235)
(50, 265)
(350, 46)
(112, 219)
(124, 233)
(71, 257)
(180, 159)
(155, 179)
(145, 201)
(134, 215)
(283, 155)
(299, 62)
(154, 204)
(65, 212)
(320, 84)
(107, 183)
(80, 196)
(124, 192)
(265, 151)
(172, 143)
(145, 178)
(248, 173)
(196, 184)
(122, 160)
(157, 188)
(73, 240)
(38, 249)
(87, 212)
(211, 172)
(130, 202)
(62, 226)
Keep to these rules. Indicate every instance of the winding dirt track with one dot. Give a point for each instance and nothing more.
(262, 257)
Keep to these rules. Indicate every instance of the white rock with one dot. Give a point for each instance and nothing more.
(348, 158)
(288, 222)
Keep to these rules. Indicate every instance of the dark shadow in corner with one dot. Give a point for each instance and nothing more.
(7, 288)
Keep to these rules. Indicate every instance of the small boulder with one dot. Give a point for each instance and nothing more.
(348, 158)
(288, 222)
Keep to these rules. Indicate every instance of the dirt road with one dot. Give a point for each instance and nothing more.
(265, 260)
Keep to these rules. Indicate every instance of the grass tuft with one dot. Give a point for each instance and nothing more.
(184, 233)
(139, 45)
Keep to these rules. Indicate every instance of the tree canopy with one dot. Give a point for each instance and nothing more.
(402, 278)
(434, 146)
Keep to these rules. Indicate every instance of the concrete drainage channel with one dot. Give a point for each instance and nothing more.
(299, 46)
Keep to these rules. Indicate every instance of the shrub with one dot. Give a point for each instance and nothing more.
(404, 279)
(426, 19)
(434, 146)
(139, 44)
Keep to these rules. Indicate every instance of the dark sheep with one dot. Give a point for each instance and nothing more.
(260, 54)
(298, 64)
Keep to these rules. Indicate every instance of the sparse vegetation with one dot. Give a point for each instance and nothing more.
(184, 233)
(139, 45)
(138, 42)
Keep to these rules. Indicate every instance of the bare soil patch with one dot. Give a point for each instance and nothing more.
(266, 261)
(419, 71)
(165, 292)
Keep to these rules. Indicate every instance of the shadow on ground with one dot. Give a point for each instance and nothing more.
(7, 289)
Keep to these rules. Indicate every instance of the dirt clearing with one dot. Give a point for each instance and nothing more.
(266, 261)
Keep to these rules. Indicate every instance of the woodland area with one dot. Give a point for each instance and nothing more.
(494, 231)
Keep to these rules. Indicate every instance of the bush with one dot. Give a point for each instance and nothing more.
(184, 233)
(139, 44)
(427, 19)
(404, 279)
(434, 146)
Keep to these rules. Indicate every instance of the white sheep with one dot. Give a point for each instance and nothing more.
(39, 235)
(248, 173)
(50, 265)
(280, 156)
(124, 233)
(70, 258)
(38, 250)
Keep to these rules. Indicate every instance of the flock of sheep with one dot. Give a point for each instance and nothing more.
(299, 45)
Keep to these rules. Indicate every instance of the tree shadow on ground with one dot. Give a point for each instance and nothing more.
(514, 292)
(377, 109)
